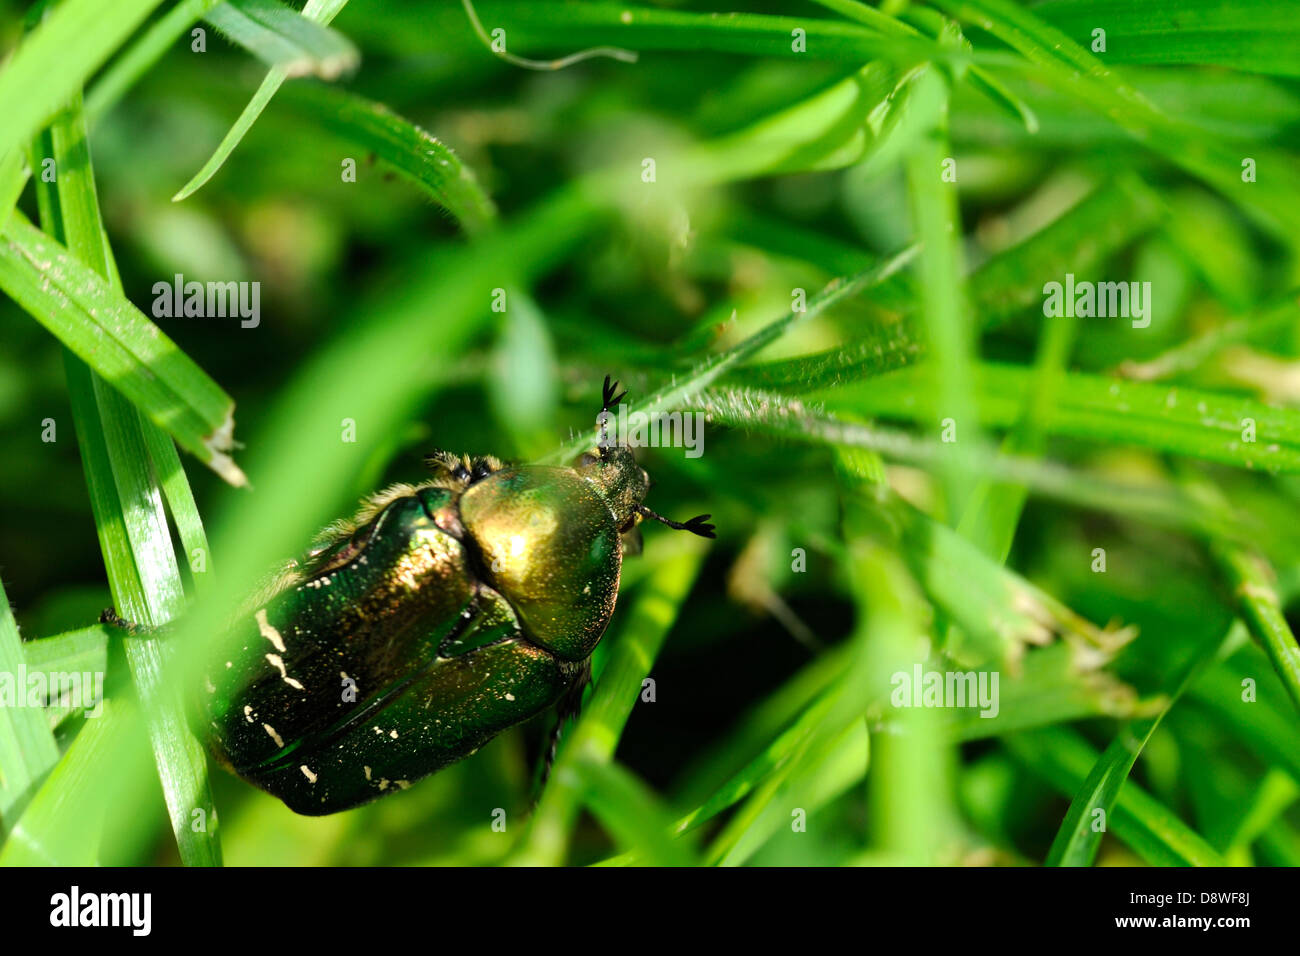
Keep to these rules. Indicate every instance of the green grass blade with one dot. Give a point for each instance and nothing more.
(180, 500)
(678, 393)
(646, 624)
(129, 514)
(321, 12)
(13, 177)
(1079, 836)
(813, 779)
(1253, 583)
(1073, 70)
(628, 809)
(794, 419)
(64, 822)
(1063, 758)
(1191, 422)
(284, 39)
(1260, 37)
(980, 78)
(1079, 241)
(80, 656)
(27, 748)
(97, 323)
(837, 127)
(126, 69)
(1261, 722)
(940, 274)
(419, 157)
(54, 62)
(534, 26)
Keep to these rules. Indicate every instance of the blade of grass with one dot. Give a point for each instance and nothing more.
(980, 78)
(1191, 422)
(1079, 837)
(1104, 222)
(129, 515)
(1277, 316)
(1072, 69)
(74, 798)
(1101, 224)
(13, 177)
(674, 395)
(1254, 584)
(1260, 720)
(57, 58)
(321, 12)
(646, 625)
(1258, 37)
(27, 747)
(284, 39)
(99, 325)
(786, 418)
(1058, 685)
(417, 156)
(533, 25)
(175, 486)
(82, 654)
(838, 127)
(908, 815)
(1063, 758)
(814, 778)
(1274, 796)
(940, 273)
(628, 809)
(126, 69)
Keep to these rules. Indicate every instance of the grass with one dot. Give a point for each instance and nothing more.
(827, 228)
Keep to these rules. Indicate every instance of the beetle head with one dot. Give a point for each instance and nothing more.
(611, 467)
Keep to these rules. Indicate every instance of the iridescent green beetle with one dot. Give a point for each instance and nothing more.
(438, 616)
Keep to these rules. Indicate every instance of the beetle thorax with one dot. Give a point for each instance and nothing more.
(619, 479)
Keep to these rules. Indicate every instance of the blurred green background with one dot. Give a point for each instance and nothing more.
(792, 143)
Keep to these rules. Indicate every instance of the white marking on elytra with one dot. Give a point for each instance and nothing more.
(306, 772)
(268, 632)
(383, 784)
(279, 741)
(278, 663)
(248, 713)
(367, 770)
(510, 696)
(393, 734)
(402, 783)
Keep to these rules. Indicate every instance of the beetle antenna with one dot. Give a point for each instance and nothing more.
(608, 397)
(696, 525)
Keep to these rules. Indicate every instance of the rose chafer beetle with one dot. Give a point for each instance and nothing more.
(438, 616)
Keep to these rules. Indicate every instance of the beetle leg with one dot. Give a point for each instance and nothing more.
(569, 705)
(110, 617)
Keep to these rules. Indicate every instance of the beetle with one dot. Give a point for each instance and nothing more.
(439, 615)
